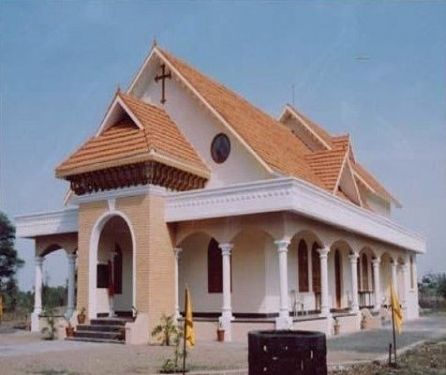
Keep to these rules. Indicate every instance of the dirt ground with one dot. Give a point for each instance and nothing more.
(24, 353)
(426, 359)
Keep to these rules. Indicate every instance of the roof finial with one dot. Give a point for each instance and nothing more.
(118, 88)
(154, 42)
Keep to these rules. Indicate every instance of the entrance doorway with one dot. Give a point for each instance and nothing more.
(114, 269)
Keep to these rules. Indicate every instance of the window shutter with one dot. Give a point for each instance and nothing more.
(215, 268)
(316, 268)
(365, 273)
(303, 266)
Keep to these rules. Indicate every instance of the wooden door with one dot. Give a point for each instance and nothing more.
(338, 275)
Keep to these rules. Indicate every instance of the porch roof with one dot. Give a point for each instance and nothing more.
(275, 195)
(292, 195)
(47, 223)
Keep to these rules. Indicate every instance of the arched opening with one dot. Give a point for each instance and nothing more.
(253, 274)
(339, 275)
(114, 277)
(200, 269)
(304, 273)
(366, 282)
(55, 280)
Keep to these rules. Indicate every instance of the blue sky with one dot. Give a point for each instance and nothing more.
(374, 69)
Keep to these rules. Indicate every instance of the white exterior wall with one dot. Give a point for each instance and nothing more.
(248, 274)
(375, 203)
(193, 271)
(385, 276)
(272, 279)
(199, 128)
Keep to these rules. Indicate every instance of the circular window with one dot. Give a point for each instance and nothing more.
(220, 148)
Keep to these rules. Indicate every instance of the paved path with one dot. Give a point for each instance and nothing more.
(372, 344)
(25, 353)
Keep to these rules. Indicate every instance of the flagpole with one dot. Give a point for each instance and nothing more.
(184, 332)
(184, 335)
(184, 347)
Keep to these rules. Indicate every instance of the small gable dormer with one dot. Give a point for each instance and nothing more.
(136, 144)
(316, 138)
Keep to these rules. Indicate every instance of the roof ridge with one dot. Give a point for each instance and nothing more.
(145, 130)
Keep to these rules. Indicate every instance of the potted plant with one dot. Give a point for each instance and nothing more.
(69, 329)
(81, 317)
(364, 322)
(336, 326)
(220, 332)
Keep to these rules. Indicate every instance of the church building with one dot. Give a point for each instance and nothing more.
(272, 223)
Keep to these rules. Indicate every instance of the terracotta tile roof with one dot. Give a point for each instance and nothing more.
(126, 143)
(340, 141)
(273, 142)
(327, 165)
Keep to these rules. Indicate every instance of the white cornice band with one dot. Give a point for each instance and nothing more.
(275, 195)
(288, 194)
(46, 223)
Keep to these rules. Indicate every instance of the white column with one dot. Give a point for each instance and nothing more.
(405, 294)
(226, 314)
(377, 282)
(71, 284)
(323, 256)
(393, 265)
(283, 321)
(35, 326)
(354, 279)
(176, 252)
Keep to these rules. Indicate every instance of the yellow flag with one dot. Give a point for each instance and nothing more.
(189, 334)
(396, 309)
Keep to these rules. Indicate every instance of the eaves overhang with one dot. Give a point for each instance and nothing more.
(292, 195)
(47, 223)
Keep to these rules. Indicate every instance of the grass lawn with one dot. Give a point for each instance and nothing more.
(426, 359)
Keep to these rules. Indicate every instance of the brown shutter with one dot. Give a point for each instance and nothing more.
(338, 277)
(303, 266)
(365, 273)
(316, 268)
(215, 268)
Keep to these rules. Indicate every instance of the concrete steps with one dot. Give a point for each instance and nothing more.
(105, 330)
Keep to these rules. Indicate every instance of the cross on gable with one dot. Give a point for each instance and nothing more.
(163, 76)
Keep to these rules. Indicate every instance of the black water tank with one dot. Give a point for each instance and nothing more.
(287, 353)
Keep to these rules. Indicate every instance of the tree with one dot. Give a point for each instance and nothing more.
(9, 262)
